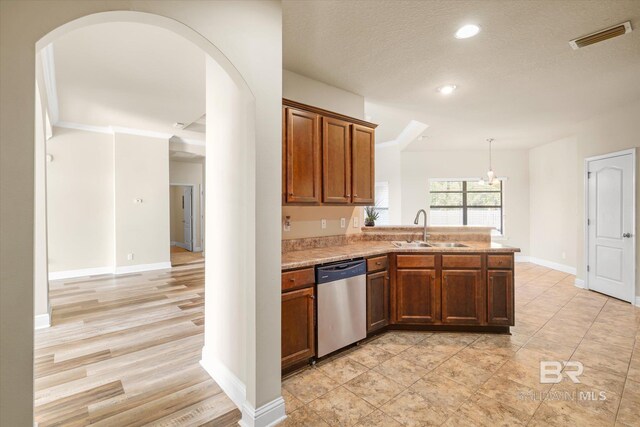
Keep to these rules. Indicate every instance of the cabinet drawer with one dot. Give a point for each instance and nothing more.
(376, 264)
(416, 261)
(500, 261)
(298, 278)
(461, 261)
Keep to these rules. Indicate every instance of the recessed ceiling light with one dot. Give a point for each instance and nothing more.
(447, 89)
(467, 31)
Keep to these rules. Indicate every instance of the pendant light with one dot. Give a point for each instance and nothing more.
(490, 174)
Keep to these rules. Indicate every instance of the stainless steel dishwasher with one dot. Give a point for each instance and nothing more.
(342, 305)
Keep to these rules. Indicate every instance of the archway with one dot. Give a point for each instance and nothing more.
(230, 158)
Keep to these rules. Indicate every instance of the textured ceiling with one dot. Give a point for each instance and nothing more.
(129, 75)
(518, 80)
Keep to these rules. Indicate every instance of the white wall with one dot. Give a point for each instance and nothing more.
(303, 89)
(80, 204)
(41, 269)
(193, 174)
(553, 191)
(141, 229)
(419, 167)
(246, 38)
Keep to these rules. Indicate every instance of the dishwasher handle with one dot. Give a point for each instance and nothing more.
(344, 270)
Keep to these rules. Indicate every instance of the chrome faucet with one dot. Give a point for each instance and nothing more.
(415, 221)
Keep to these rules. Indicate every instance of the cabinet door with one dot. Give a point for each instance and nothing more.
(377, 301)
(336, 161)
(302, 145)
(417, 296)
(462, 297)
(298, 338)
(500, 298)
(362, 165)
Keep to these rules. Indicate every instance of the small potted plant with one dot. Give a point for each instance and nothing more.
(370, 216)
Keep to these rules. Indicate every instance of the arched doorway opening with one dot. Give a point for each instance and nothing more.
(231, 159)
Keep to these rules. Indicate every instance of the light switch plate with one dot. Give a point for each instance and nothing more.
(343, 222)
(324, 223)
(130, 257)
(356, 222)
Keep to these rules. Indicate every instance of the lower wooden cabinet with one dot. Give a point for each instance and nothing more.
(500, 297)
(417, 296)
(463, 299)
(377, 301)
(298, 329)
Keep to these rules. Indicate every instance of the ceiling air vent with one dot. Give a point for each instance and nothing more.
(602, 35)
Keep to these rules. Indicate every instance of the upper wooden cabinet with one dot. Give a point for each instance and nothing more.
(336, 161)
(328, 158)
(362, 160)
(302, 158)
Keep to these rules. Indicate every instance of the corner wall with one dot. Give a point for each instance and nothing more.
(553, 205)
(614, 131)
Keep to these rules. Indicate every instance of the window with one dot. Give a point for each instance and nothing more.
(466, 202)
(382, 203)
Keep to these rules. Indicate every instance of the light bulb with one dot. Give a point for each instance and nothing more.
(447, 89)
(467, 31)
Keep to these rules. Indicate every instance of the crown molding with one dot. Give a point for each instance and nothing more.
(112, 130)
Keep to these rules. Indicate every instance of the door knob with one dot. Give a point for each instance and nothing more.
(627, 235)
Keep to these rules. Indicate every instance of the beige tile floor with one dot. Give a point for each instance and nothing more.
(423, 379)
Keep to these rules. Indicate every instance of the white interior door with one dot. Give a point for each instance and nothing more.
(611, 240)
(187, 204)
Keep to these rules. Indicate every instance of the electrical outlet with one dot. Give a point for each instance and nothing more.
(323, 223)
(343, 222)
(356, 222)
(286, 227)
(130, 257)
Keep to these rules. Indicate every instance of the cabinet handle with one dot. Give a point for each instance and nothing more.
(312, 296)
(292, 280)
(378, 263)
(291, 194)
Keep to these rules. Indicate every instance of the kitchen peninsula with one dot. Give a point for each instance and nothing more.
(456, 281)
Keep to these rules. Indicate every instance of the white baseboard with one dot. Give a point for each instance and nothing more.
(124, 269)
(553, 265)
(265, 416)
(227, 380)
(637, 304)
(42, 321)
(70, 274)
(579, 283)
(84, 272)
(197, 249)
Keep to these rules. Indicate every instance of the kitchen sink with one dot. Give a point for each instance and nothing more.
(410, 245)
(447, 245)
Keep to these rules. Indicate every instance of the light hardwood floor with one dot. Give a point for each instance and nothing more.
(124, 351)
(180, 256)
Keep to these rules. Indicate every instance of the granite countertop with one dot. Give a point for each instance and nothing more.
(310, 257)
